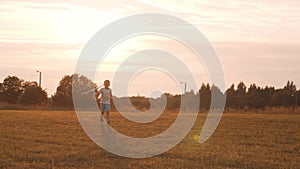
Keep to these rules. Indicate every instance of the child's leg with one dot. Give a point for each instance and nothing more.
(107, 116)
(102, 112)
(101, 116)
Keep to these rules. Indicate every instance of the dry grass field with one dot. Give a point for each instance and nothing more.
(55, 139)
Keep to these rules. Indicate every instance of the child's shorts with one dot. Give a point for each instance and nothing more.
(104, 107)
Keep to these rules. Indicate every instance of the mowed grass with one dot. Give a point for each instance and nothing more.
(55, 139)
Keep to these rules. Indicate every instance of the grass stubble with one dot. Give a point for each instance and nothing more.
(55, 139)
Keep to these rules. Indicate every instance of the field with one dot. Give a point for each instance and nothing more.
(55, 139)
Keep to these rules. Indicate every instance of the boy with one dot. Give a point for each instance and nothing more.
(106, 95)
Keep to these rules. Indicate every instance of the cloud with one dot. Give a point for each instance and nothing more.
(37, 54)
(23, 59)
(256, 40)
(260, 62)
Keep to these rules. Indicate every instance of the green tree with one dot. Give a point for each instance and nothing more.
(33, 94)
(268, 92)
(12, 88)
(140, 102)
(218, 96)
(241, 95)
(297, 98)
(230, 94)
(255, 97)
(205, 96)
(284, 96)
(236, 98)
(1, 92)
(290, 87)
(63, 95)
(79, 84)
(279, 98)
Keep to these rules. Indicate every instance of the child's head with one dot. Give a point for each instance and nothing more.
(106, 83)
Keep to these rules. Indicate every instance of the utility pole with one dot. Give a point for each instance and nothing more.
(40, 78)
(184, 86)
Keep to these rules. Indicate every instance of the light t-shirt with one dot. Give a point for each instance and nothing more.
(105, 95)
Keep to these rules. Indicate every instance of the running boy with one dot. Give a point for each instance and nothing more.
(106, 95)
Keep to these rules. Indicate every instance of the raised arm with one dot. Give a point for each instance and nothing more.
(97, 93)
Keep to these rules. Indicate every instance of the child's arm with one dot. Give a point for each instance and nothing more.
(97, 93)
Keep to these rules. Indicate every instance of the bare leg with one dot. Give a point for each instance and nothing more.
(107, 116)
(101, 116)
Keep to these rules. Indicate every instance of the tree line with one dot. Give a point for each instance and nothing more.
(14, 90)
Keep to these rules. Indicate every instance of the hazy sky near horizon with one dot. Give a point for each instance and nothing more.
(257, 41)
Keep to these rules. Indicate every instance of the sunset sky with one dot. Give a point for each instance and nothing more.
(257, 41)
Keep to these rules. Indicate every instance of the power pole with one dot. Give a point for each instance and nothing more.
(40, 78)
(184, 86)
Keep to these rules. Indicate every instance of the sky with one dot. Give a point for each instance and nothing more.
(256, 41)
